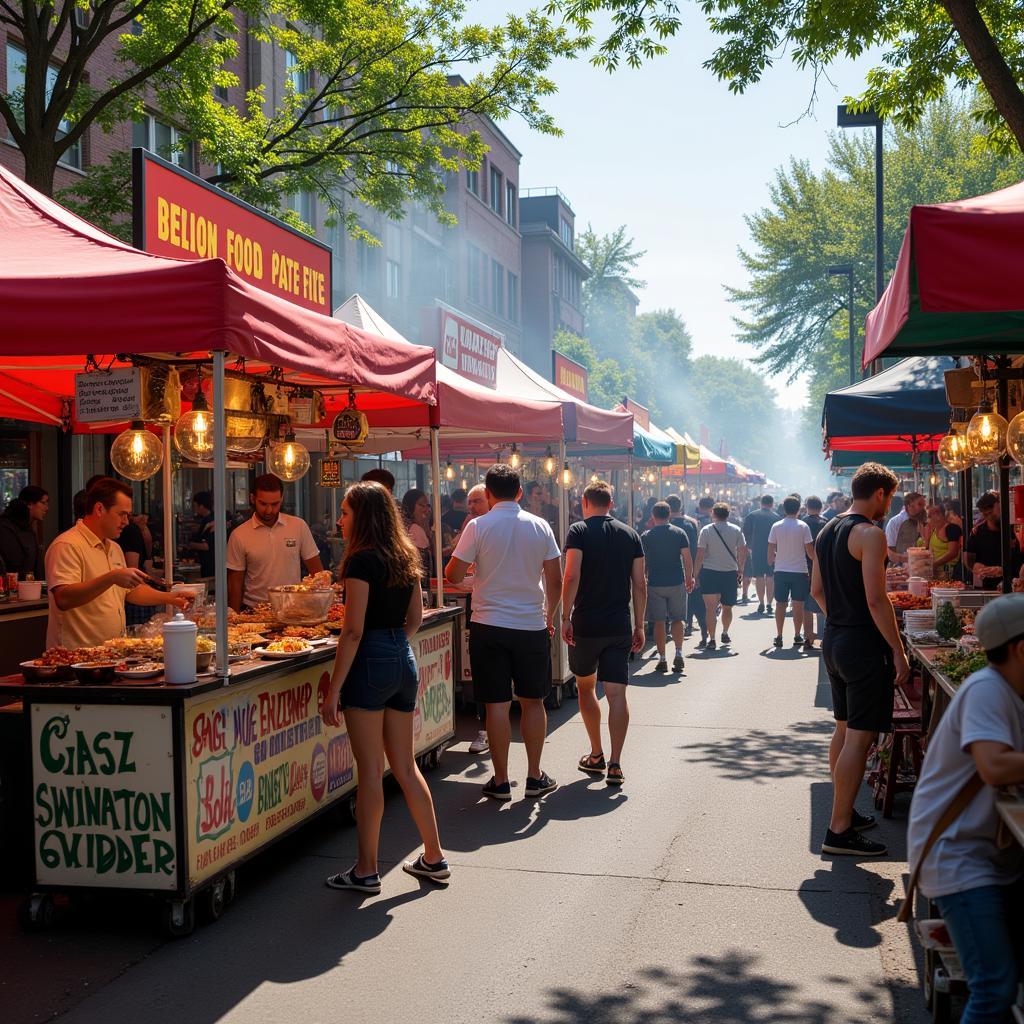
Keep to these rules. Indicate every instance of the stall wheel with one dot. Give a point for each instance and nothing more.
(230, 888)
(937, 995)
(350, 808)
(178, 918)
(930, 961)
(554, 698)
(215, 900)
(37, 913)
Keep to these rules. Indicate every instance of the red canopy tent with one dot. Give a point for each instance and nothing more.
(956, 288)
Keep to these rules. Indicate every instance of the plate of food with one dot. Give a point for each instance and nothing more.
(287, 647)
(140, 669)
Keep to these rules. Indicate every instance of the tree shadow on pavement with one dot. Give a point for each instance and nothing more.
(734, 988)
(762, 756)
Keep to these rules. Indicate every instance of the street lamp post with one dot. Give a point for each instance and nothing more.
(846, 270)
(870, 118)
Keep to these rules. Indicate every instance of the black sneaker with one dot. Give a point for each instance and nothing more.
(677, 664)
(852, 844)
(726, 639)
(798, 640)
(538, 787)
(496, 792)
(350, 880)
(662, 666)
(688, 631)
(778, 642)
(768, 608)
(703, 643)
(760, 608)
(710, 645)
(859, 822)
(422, 868)
(809, 645)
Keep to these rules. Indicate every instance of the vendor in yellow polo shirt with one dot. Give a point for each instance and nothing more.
(86, 576)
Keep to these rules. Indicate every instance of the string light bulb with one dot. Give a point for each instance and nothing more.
(1015, 439)
(986, 435)
(515, 460)
(136, 454)
(953, 453)
(549, 463)
(566, 475)
(288, 460)
(449, 471)
(193, 432)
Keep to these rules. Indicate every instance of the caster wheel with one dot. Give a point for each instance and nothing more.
(942, 1008)
(179, 918)
(929, 980)
(37, 913)
(214, 900)
(350, 808)
(230, 888)
(434, 759)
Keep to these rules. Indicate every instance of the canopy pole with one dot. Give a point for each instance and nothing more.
(629, 503)
(563, 498)
(1006, 531)
(168, 496)
(220, 520)
(435, 471)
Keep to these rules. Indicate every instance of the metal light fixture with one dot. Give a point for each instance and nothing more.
(136, 454)
(549, 463)
(515, 460)
(193, 433)
(566, 475)
(288, 460)
(953, 454)
(449, 471)
(986, 435)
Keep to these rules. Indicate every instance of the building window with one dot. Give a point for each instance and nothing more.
(304, 205)
(495, 193)
(497, 288)
(366, 267)
(220, 92)
(163, 139)
(473, 182)
(16, 97)
(474, 277)
(511, 206)
(565, 232)
(83, 15)
(394, 279)
(294, 74)
(513, 297)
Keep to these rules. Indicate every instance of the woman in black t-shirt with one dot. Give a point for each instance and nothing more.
(374, 682)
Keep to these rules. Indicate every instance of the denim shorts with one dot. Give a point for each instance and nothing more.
(383, 674)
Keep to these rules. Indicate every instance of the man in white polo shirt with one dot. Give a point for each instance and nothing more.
(268, 550)
(515, 601)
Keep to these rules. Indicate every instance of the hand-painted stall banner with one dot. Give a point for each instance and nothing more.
(434, 717)
(103, 796)
(259, 759)
(469, 348)
(177, 214)
(641, 413)
(569, 375)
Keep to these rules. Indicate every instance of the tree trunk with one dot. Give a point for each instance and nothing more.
(40, 164)
(992, 67)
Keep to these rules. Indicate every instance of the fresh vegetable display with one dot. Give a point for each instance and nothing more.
(947, 622)
(958, 665)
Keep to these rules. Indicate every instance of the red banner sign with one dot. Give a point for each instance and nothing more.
(569, 375)
(469, 348)
(177, 214)
(641, 413)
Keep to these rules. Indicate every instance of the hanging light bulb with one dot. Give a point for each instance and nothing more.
(449, 470)
(465, 486)
(549, 463)
(953, 454)
(136, 454)
(193, 433)
(288, 460)
(933, 479)
(986, 435)
(566, 475)
(1015, 440)
(514, 460)
(593, 478)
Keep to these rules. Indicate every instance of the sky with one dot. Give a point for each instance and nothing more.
(668, 151)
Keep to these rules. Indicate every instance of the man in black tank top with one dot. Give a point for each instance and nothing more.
(862, 648)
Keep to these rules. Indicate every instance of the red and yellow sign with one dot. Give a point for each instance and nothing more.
(641, 413)
(569, 375)
(469, 348)
(180, 215)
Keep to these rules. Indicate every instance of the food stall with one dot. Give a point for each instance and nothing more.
(119, 780)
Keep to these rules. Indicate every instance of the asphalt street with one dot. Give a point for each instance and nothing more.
(696, 893)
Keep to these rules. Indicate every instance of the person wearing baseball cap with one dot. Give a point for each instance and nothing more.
(977, 881)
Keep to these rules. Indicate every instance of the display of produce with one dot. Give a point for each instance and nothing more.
(902, 600)
(958, 665)
(947, 622)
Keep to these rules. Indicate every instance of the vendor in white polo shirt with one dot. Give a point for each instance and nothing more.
(269, 550)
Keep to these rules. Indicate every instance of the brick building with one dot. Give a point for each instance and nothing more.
(553, 274)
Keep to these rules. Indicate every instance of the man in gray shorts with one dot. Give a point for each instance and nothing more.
(669, 580)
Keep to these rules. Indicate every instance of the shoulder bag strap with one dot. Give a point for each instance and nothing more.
(732, 554)
(970, 789)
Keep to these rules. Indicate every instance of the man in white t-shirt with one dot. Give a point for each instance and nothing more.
(268, 550)
(978, 883)
(903, 529)
(516, 594)
(789, 546)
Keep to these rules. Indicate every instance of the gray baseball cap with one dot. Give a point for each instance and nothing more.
(1000, 621)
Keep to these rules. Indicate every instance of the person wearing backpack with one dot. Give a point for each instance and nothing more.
(957, 855)
(721, 555)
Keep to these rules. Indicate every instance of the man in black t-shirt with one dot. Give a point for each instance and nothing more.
(456, 515)
(604, 571)
(669, 559)
(983, 552)
(756, 528)
(815, 522)
(695, 601)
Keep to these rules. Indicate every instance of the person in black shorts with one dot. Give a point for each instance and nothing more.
(756, 528)
(374, 680)
(721, 554)
(812, 613)
(862, 648)
(604, 571)
(695, 602)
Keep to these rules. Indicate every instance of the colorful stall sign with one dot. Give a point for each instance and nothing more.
(469, 348)
(569, 375)
(177, 214)
(434, 717)
(330, 472)
(103, 796)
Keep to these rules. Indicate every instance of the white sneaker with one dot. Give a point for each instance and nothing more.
(480, 744)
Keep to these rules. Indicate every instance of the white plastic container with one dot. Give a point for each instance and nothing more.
(180, 650)
(918, 586)
(30, 590)
(198, 591)
(920, 562)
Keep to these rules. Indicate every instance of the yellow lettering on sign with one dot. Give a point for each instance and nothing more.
(186, 230)
(162, 215)
(244, 255)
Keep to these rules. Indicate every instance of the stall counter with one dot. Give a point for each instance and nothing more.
(166, 789)
(22, 632)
